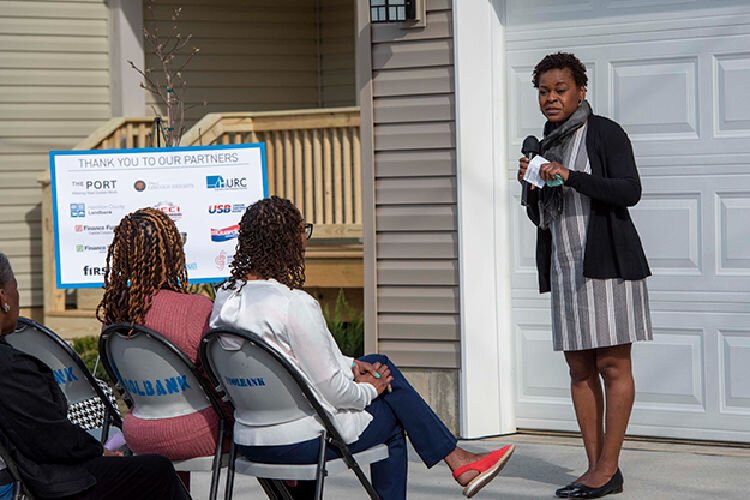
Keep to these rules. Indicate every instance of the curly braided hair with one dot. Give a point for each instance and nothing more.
(270, 244)
(146, 255)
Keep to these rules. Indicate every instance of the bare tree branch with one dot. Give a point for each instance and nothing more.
(170, 88)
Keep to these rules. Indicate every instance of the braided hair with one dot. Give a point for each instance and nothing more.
(270, 244)
(146, 255)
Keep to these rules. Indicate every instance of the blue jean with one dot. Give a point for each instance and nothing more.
(394, 412)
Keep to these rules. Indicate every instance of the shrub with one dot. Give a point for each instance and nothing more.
(88, 349)
(349, 335)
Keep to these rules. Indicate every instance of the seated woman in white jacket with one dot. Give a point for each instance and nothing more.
(373, 401)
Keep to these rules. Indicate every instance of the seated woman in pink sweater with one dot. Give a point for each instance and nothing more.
(146, 284)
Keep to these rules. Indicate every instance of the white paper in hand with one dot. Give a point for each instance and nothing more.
(532, 172)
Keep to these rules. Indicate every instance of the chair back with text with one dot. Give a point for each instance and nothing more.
(158, 379)
(261, 390)
(265, 388)
(70, 372)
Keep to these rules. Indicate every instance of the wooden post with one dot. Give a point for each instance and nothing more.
(309, 187)
(348, 215)
(318, 168)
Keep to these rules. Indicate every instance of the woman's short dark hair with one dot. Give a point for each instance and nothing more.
(561, 60)
(270, 244)
(6, 272)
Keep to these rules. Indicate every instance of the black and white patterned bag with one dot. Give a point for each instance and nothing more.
(89, 414)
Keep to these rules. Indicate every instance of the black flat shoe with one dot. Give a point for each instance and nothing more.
(566, 490)
(614, 485)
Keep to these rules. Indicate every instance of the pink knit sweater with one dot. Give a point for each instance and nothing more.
(182, 319)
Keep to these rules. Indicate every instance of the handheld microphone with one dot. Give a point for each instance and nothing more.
(530, 148)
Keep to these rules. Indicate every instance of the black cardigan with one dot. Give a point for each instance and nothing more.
(48, 449)
(613, 247)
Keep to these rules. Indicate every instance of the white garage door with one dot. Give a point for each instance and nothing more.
(676, 75)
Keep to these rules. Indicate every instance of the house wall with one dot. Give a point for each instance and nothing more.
(336, 46)
(54, 90)
(406, 86)
(260, 54)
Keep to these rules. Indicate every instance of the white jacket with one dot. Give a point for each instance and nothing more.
(292, 322)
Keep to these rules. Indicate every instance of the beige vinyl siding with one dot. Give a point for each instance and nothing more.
(54, 91)
(261, 54)
(254, 54)
(337, 75)
(415, 191)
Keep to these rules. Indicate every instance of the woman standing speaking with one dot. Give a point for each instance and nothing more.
(589, 255)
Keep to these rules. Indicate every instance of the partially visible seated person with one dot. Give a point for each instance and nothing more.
(145, 283)
(373, 401)
(56, 458)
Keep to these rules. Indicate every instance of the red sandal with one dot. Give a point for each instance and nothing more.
(488, 467)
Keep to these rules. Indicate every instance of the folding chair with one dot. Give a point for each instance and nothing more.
(160, 382)
(266, 389)
(72, 375)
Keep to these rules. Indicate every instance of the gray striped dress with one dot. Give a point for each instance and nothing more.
(589, 313)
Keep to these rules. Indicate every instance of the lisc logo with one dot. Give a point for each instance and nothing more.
(219, 182)
(77, 210)
(139, 185)
(225, 234)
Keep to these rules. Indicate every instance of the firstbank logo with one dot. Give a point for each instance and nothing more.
(93, 271)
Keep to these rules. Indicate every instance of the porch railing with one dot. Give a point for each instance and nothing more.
(312, 158)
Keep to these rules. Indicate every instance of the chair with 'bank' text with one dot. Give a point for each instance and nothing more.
(266, 389)
(159, 381)
(75, 380)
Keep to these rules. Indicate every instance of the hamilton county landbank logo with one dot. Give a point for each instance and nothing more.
(219, 182)
(139, 185)
(77, 210)
(225, 234)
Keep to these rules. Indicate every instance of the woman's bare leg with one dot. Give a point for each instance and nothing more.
(614, 365)
(586, 392)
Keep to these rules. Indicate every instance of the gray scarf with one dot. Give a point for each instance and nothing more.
(556, 143)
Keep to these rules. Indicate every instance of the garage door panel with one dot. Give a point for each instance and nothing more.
(670, 228)
(668, 372)
(734, 351)
(733, 233)
(542, 372)
(668, 93)
(731, 80)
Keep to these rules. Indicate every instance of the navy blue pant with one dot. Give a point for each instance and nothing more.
(394, 412)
